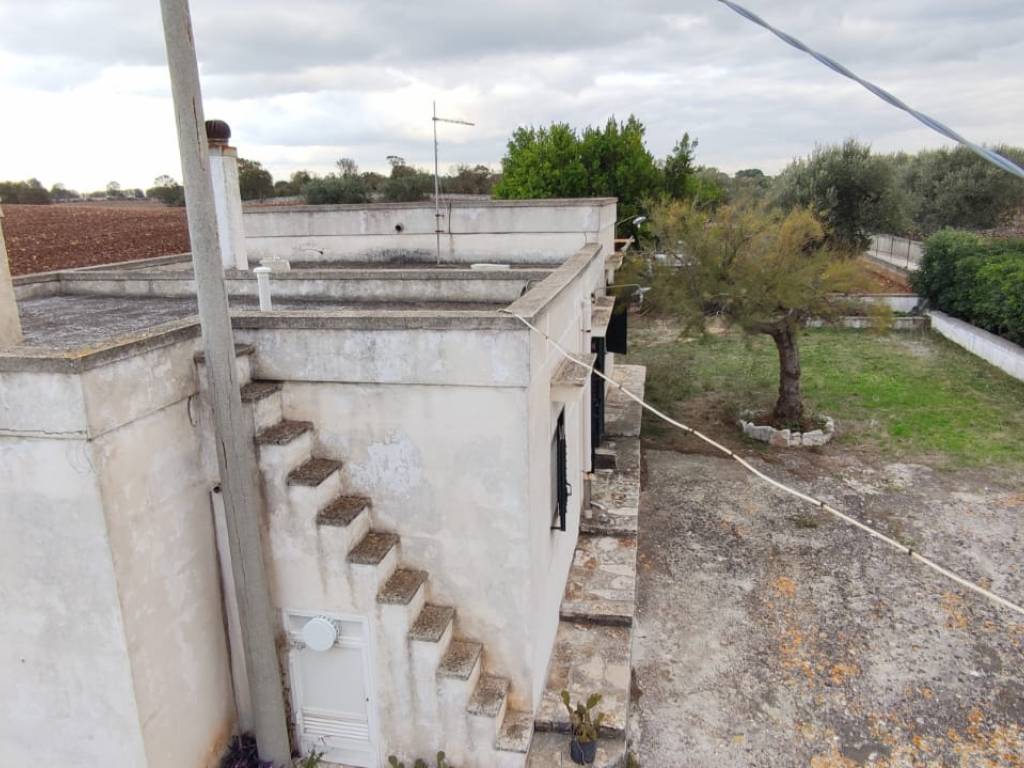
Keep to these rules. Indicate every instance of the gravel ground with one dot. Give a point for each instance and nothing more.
(769, 634)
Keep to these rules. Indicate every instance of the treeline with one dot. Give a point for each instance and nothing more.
(404, 183)
(853, 191)
(857, 193)
(32, 192)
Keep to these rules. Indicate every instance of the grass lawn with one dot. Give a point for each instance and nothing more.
(912, 395)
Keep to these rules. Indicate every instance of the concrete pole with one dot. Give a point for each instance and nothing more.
(235, 453)
(10, 323)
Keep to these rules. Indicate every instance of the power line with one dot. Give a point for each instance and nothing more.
(1002, 601)
(992, 156)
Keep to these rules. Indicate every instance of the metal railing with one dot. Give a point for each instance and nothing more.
(901, 252)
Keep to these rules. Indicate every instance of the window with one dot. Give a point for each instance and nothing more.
(597, 396)
(560, 488)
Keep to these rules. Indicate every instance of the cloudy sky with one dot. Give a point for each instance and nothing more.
(84, 92)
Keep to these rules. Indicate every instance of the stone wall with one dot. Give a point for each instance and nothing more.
(507, 231)
(1001, 353)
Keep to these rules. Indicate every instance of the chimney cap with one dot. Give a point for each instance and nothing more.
(217, 131)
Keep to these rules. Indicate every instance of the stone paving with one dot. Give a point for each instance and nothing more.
(588, 659)
(602, 581)
(615, 494)
(622, 415)
(592, 652)
(551, 750)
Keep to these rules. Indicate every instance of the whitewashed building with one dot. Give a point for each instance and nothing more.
(424, 460)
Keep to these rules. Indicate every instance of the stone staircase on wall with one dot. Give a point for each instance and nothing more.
(434, 688)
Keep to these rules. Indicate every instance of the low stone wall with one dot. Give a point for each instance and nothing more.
(861, 322)
(897, 302)
(787, 438)
(1001, 353)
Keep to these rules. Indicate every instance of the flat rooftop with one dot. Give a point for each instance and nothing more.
(73, 322)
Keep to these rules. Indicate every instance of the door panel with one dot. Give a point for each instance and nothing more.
(331, 693)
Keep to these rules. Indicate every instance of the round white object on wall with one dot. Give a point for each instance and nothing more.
(319, 634)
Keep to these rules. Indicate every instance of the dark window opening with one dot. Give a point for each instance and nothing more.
(560, 488)
(618, 328)
(597, 396)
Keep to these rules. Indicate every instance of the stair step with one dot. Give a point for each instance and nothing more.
(240, 351)
(258, 390)
(516, 732)
(402, 587)
(283, 432)
(313, 472)
(342, 511)
(460, 660)
(606, 649)
(373, 548)
(489, 696)
(432, 623)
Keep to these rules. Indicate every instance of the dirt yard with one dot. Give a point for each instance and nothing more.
(43, 238)
(885, 280)
(771, 634)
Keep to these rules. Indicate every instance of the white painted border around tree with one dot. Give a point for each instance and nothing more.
(1001, 353)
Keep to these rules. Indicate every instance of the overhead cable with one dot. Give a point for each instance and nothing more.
(988, 154)
(903, 548)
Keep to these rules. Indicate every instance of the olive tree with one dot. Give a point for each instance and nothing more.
(764, 272)
(853, 192)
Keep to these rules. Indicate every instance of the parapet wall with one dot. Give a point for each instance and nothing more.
(507, 231)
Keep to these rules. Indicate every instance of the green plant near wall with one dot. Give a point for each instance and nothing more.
(313, 760)
(976, 279)
(442, 762)
(585, 722)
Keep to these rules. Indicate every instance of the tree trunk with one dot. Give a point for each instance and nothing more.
(789, 409)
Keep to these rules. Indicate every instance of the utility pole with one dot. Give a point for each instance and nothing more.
(437, 180)
(238, 478)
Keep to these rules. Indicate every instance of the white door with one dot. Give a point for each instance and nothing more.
(332, 692)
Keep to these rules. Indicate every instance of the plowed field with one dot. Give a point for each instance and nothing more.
(43, 238)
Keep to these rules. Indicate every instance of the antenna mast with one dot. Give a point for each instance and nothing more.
(437, 180)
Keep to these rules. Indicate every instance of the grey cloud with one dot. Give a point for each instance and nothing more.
(308, 73)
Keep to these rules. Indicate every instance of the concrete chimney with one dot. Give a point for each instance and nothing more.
(10, 323)
(227, 199)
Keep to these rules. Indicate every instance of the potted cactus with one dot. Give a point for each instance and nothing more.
(585, 724)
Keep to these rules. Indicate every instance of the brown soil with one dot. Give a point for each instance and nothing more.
(43, 238)
(885, 280)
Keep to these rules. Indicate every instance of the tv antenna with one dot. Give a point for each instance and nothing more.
(437, 182)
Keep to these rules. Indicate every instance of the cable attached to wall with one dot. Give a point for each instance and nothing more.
(1001, 601)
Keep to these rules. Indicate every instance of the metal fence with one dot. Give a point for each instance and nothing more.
(900, 252)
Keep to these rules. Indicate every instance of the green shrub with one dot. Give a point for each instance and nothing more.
(976, 279)
(336, 189)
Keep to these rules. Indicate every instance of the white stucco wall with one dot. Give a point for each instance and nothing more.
(1003, 354)
(897, 302)
(228, 205)
(112, 558)
(444, 467)
(511, 231)
(551, 551)
(69, 698)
